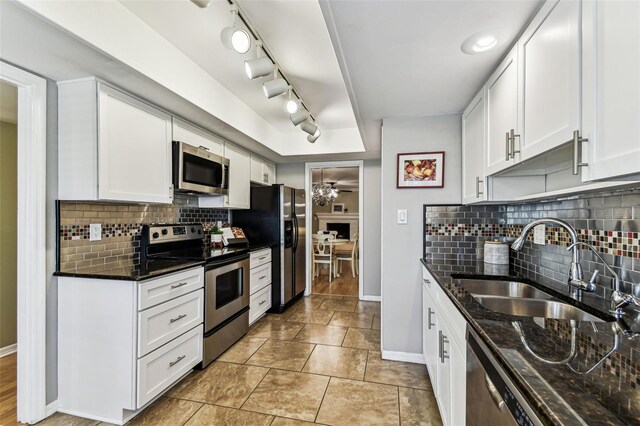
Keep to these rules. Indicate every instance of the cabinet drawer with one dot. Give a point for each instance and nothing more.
(154, 292)
(452, 317)
(162, 323)
(429, 283)
(260, 277)
(260, 257)
(259, 304)
(158, 370)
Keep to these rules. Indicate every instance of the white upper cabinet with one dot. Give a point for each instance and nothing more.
(262, 171)
(473, 147)
(502, 114)
(192, 135)
(239, 172)
(611, 89)
(549, 62)
(112, 147)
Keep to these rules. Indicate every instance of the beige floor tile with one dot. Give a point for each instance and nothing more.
(166, 411)
(222, 416)
(349, 402)
(225, 384)
(337, 362)
(368, 307)
(362, 338)
(396, 372)
(282, 354)
(288, 394)
(184, 383)
(282, 421)
(325, 296)
(348, 305)
(352, 319)
(59, 419)
(322, 334)
(311, 316)
(278, 330)
(376, 322)
(418, 407)
(242, 350)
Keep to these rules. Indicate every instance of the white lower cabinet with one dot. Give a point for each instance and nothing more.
(120, 346)
(260, 284)
(444, 350)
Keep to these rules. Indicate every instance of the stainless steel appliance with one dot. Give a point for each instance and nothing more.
(277, 218)
(195, 169)
(492, 399)
(226, 291)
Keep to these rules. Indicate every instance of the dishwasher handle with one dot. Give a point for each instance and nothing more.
(493, 391)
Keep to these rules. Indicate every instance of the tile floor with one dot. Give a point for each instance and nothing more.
(317, 362)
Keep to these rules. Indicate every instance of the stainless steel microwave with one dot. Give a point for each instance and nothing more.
(195, 169)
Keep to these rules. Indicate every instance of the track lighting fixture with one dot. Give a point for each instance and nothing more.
(299, 117)
(260, 66)
(275, 87)
(234, 37)
(292, 104)
(309, 127)
(314, 137)
(201, 3)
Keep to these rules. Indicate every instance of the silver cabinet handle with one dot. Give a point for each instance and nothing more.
(178, 285)
(426, 281)
(262, 258)
(429, 313)
(180, 358)
(262, 303)
(204, 147)
(443, 353)
(262, 277)
(493, 391)
(512, 138)
(507, 153)
(577, 152)
(178, 318)
(478, 182)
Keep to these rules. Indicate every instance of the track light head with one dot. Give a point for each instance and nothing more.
(299, 117)
(314, 137)
(234, 37)
(258, 67)
(293, 106)
(309, 127)
(201, 3)
(275, 88)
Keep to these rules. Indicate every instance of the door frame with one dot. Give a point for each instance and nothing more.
(31, 246)
(309, 213)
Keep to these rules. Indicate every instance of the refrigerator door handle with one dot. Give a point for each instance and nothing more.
(296, 233)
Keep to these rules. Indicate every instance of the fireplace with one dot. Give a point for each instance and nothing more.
(343, 229)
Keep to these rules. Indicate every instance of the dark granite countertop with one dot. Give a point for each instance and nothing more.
(260, 246)
(139, 272)
(609, 395)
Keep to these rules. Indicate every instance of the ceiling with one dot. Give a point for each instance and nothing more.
(8, 103)
(344, 177)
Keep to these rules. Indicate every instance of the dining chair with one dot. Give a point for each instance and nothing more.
(334, 233)
(349, 257)
(323, 255)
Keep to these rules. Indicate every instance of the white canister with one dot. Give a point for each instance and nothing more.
(496, 252)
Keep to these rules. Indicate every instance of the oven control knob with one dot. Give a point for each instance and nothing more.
(193, 229)
(165, 232)
(199, 231)
(155, 235)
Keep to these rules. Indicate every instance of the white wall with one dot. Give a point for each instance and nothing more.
(402, 244)
(290, 174)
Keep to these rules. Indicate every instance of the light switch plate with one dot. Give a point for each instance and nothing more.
(95, 232)
(539, 233)
(402, 217)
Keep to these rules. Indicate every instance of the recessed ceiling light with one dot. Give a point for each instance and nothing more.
(480, 42)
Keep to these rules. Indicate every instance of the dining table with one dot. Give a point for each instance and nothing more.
(342, 245)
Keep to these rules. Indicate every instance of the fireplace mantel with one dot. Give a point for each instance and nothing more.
(352, 219)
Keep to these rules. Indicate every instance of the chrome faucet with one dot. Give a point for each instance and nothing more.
(575, 269)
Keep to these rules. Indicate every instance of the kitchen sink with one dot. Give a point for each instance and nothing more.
(503, 288)
(521, 307)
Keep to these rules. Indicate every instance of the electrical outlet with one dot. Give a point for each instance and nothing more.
(402, 217)
(539, 234)
(95, 232)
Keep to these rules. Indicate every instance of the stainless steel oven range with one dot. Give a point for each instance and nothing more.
(226, 306)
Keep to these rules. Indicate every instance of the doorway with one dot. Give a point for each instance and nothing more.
(334, 217)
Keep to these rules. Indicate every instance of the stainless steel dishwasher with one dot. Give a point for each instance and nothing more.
(492, 399)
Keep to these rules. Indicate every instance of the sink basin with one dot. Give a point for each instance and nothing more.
(523, 307)
(503, 288)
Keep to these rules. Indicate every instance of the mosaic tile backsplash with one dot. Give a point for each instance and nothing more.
(121, 227)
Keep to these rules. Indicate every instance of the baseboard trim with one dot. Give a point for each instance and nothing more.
(52, 408)
(403, 356)
(8, 350)
(371, 298)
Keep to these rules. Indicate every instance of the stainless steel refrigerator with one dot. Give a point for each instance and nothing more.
(277, 219)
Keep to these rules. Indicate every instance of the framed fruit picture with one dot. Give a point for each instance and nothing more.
(421, 170)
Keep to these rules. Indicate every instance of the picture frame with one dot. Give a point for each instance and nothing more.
(420, 170)
(337, 208)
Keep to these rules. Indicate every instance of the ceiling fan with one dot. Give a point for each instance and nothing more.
(333, 186)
